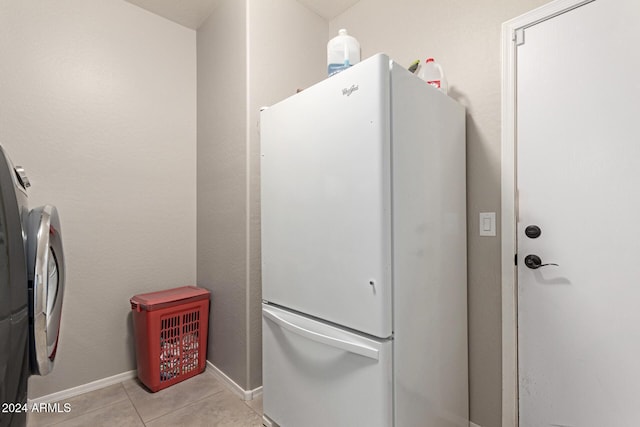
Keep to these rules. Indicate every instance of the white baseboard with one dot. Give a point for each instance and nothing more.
(472, 424)
(85, 388)
(106, 382)
(233, 386)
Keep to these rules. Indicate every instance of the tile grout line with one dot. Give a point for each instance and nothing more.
(181, 407)
(91, 411)
(184, 406)
(132, 404)
(128, 397)
(77, 415)
(168, 413)
(252, 408)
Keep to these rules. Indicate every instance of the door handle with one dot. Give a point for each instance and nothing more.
(534, 262)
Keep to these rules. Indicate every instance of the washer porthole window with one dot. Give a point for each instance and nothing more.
(52, 281)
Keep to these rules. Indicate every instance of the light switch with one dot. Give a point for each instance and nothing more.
(487, 223)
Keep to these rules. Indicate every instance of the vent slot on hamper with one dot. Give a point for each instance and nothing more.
(179, 344)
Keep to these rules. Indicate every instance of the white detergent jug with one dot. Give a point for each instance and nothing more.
(431, 72)
(343, 51)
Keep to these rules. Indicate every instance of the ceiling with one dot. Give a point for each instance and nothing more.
(328, 9)
(192, 13)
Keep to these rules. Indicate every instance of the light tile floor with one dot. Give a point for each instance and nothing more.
(199, 401)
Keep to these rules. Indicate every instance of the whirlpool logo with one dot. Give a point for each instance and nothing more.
(350, 90)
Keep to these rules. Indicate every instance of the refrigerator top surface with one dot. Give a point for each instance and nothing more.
(326, 220)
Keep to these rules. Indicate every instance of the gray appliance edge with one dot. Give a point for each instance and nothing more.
(14, 313)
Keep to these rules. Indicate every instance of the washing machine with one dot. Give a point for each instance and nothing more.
(32, 278)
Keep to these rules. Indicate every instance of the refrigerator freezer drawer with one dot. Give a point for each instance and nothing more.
(316, 374)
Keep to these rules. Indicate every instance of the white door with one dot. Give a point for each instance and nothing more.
(578, 180)
(317, 375)
(326, 219)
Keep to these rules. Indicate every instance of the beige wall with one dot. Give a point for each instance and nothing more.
(250, 53)
(98, 103)
(464, 36)
(222, 185)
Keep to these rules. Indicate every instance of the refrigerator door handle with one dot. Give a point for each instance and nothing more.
(342, 344)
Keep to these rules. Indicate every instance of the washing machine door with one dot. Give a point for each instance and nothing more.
(46, 286)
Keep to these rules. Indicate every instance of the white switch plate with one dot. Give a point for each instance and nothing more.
(487, 223)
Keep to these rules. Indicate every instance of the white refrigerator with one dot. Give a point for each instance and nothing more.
(364, 253)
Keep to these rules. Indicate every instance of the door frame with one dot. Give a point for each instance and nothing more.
(512, 35)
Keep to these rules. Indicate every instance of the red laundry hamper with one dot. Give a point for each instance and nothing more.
(171, 330)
